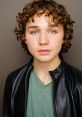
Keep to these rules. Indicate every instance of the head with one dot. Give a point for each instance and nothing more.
(51, 9)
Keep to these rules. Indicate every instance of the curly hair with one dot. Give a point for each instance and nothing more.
(50, 8)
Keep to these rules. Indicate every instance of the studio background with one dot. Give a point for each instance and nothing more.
(12, 56)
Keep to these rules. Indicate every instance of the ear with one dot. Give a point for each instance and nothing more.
(24, 39)
(63, 41)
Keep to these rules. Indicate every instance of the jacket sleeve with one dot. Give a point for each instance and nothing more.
(8, 107)
(7, 98)
(78, 95)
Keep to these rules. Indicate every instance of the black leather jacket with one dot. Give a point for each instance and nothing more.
(67, 91)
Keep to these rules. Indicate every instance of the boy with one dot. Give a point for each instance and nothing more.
(46, 86)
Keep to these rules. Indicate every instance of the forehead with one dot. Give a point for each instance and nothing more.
(42, 20)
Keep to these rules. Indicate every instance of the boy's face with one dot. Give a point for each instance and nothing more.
(43, 39)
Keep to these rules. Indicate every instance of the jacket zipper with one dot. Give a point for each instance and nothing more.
(26, 94)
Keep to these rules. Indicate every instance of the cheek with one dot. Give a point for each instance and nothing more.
(28, 41)
(57, 45)
(31, 46)
(57, 38)
(57, 42)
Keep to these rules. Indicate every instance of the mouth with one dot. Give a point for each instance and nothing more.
(44, 52)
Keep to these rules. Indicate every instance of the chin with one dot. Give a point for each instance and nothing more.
(45, 59)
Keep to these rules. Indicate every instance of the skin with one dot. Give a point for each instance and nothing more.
(44, 41)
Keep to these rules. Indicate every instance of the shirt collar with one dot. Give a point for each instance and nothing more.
(57, 72)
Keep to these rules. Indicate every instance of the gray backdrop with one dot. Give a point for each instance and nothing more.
(13, 56)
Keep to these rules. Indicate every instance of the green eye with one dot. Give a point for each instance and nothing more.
(52, 31)
(33, 32)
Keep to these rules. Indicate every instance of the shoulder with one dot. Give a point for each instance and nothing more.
(15, 73)
(73, 73)
(19, 72)
(69, 69)
(73, 70)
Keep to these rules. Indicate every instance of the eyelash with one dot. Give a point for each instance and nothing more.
(33, 32)
(50, 31)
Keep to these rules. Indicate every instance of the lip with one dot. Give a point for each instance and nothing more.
(44, 52)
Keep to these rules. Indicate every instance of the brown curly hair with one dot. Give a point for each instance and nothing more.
(50, 8)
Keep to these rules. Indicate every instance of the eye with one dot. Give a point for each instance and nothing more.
(33, 32)
(52, 31)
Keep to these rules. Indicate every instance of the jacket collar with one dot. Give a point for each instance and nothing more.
(56, 72)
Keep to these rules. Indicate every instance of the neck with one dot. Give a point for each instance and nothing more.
(46, 66)
(42, 68)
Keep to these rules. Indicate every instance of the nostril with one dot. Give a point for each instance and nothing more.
(43, 40)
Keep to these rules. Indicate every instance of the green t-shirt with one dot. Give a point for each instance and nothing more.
(39, 98)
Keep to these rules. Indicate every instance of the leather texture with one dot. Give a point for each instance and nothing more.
(67, 91)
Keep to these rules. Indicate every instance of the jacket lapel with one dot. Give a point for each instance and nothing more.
(21, 92)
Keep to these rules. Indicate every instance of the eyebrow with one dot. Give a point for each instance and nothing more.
(55, 25)
(36, 27)
(52, 25)
(28, 27)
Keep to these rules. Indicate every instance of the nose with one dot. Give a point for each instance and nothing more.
(43, 39)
